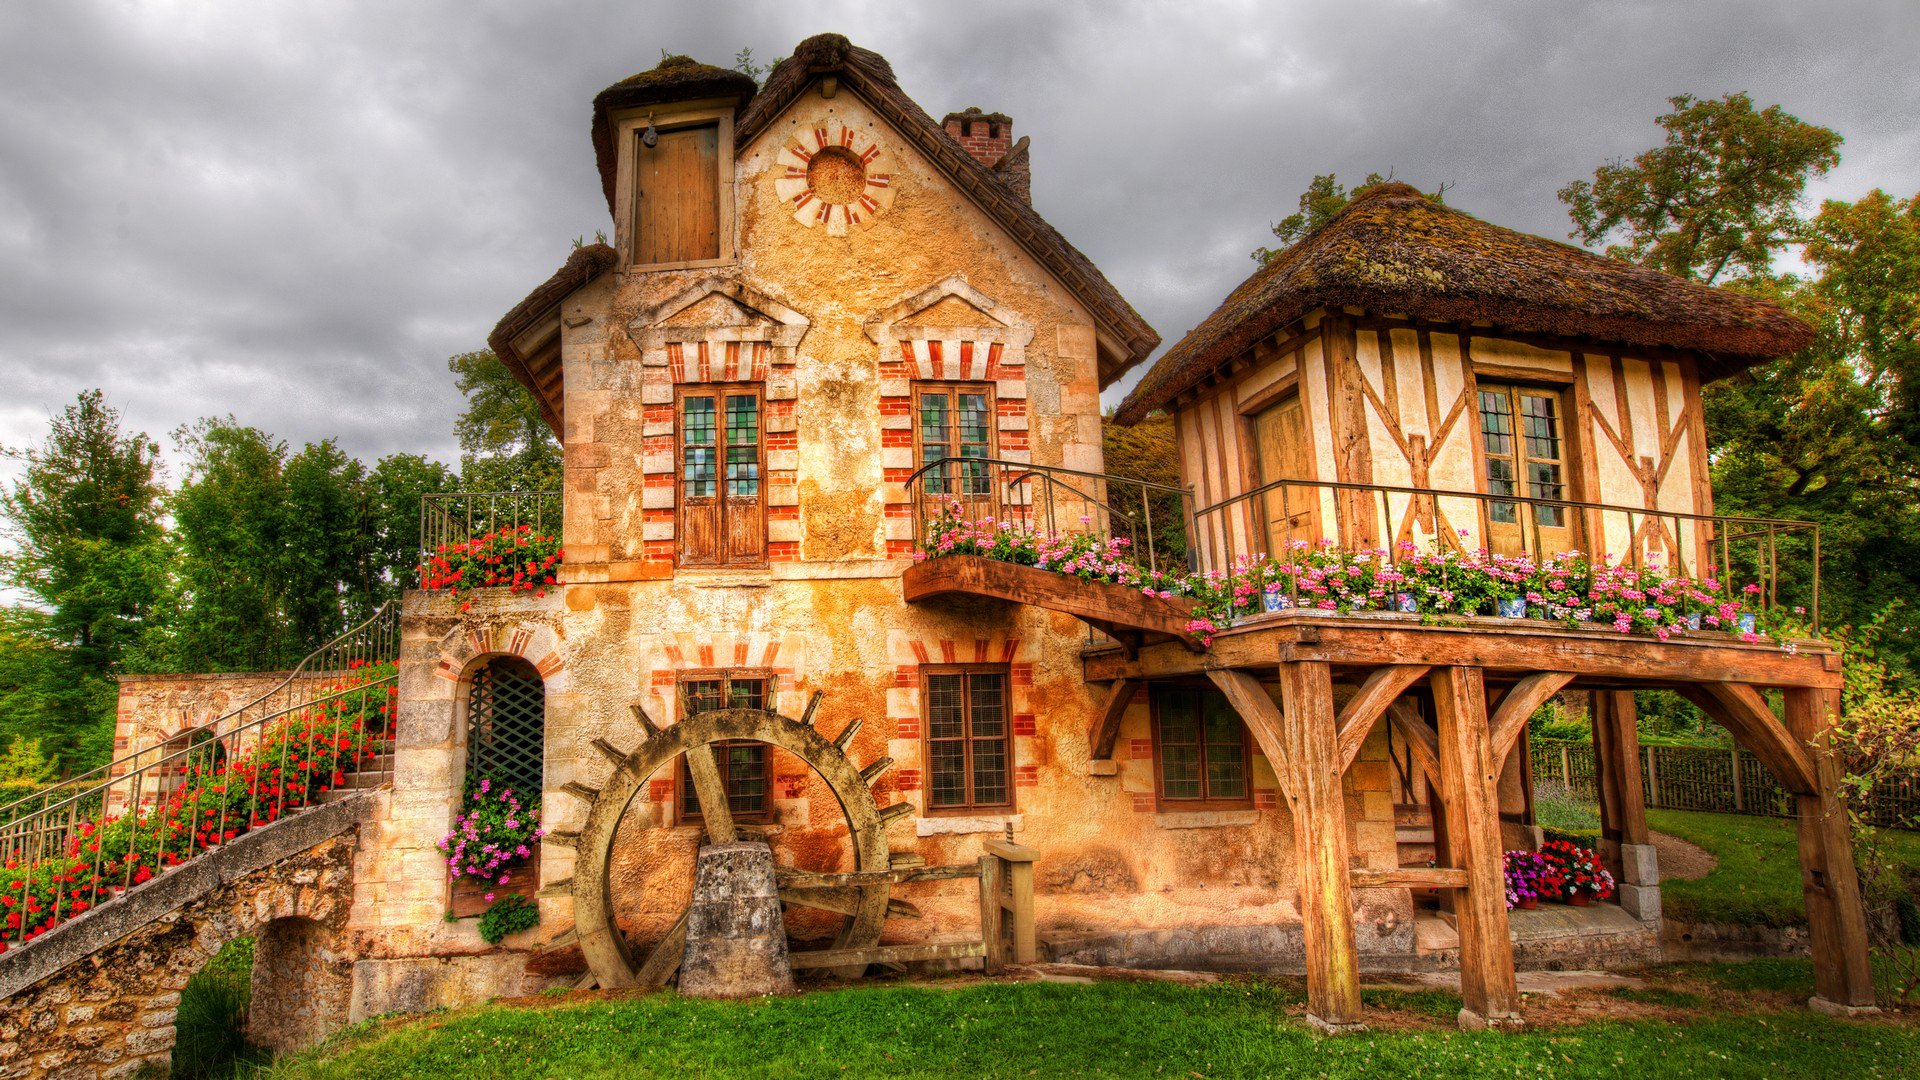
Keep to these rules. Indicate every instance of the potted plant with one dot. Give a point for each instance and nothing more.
(1530, 878)
(1582, 878)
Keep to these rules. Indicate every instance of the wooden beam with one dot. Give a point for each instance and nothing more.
(1374, 639)
(1411, 877)
(1099, 602)
(1419, 736)
(1741, 710)
(1616, 762)
(1836, 919)
(1107, 728)
(808, 879)
(884, 954)
(1467, 779)
(714, 808)
(665, 958)
(1510, 718)
(1358, 715)
(1299, 742)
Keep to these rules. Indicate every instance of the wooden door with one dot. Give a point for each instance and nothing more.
(722, 506)
(744, 517)
(676, 212)
(1524, 447)
(1282, 452)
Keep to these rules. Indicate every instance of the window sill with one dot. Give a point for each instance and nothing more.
(961, 826)
(1204, 819)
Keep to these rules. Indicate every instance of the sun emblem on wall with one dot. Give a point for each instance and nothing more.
(834, 176)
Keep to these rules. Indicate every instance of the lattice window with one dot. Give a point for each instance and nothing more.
(969, 751)
(1200, 745)
(746, 768)
(506, 726)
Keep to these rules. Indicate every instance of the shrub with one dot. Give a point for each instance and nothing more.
(210, 1024)
(509, 915)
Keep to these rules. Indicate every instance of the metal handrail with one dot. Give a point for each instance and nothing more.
(376, 639)
(43, 838)
(454, 517)
(1717, 528)
(1023, 472)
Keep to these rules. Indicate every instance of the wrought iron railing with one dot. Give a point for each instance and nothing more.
(59, 831)
(1168, 532)
(1381, 516)
(460, 516)
(1054, 500)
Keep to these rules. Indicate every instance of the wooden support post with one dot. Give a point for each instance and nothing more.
(990, 926)
(1836, 920)
(1017, 871)
(1300, 742)
(1468, 775)
(1616, 753)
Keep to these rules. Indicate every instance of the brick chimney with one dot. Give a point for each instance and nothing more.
(989, 138)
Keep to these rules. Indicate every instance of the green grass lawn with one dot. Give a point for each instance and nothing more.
(1758, 879)
(1110, 1028)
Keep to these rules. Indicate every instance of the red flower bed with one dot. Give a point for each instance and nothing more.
(514, 558)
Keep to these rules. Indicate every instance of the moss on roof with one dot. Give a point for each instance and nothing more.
(674, 78)
(1395, 251)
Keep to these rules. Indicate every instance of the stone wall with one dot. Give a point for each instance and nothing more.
(155, 708)
(111, 1012)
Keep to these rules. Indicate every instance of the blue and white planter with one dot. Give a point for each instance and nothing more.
(1512, 609)
(1693, 620)
(1406, 603)
(1275, 598)
(1749, 622)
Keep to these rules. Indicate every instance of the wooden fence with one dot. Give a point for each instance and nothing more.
(1728, 781)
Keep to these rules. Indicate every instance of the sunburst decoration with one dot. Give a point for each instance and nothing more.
(835, 176)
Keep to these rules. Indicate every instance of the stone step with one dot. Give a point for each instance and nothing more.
(1413, 834)
(1412, 814)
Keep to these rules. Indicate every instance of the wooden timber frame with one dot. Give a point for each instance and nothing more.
(1005, 874)
(1479, 680)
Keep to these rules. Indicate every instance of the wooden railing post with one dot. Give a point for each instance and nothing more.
(1016, 871)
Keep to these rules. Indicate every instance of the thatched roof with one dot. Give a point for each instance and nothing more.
(675, 78)
(868, 74)
(527, 339)
(1394, 251)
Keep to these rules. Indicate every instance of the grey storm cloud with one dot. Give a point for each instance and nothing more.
(294, 212)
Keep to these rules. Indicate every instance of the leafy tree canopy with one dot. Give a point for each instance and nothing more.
(1720, 196)
(505, 444)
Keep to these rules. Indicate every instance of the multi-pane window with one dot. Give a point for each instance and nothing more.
(1525, 453)
(722, 520)
(506, 726)
(968, 737)
(1200, 747)
(746, 768)
(955, 422)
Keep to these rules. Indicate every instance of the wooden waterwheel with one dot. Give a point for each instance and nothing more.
(612, 963)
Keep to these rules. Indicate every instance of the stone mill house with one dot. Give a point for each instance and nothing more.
(824, 319)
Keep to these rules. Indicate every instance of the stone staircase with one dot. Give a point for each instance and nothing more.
(370, 776)
(1413, 833)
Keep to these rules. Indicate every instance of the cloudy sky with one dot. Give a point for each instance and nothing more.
(294, 212)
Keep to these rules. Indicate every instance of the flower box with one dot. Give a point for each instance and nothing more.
(470, 894)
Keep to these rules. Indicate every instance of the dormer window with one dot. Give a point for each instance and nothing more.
(676, 195)
(676, 170)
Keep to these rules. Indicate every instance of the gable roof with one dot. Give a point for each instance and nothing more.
(1393, 250)
(868, 74)
(527, 339)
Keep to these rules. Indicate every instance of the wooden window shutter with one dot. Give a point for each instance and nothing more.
(676, 211)
(722, 517)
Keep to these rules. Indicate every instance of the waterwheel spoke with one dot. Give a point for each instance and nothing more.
(665, 958)
(713, 795)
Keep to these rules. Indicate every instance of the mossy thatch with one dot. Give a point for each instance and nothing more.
(674, 78)
(1395, 251)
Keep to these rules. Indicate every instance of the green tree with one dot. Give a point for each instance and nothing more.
(89, 497)
(1722, 194)
(505, 443)
(1319, 204)
(1147, 451)
(395, 486)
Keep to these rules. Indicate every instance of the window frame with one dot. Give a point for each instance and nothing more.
(1165, 803)
(627, 125)
(719, 392)
(1514, 390)
(683, 777)
(952, 389)
(971, 807)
